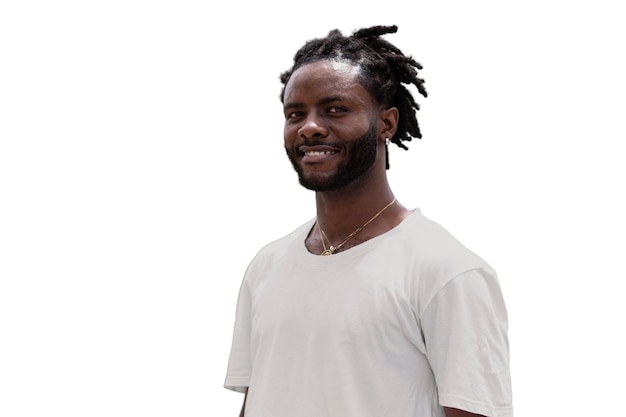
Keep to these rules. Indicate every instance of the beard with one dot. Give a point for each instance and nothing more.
(360, 157)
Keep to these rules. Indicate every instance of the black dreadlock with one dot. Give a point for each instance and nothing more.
(384, 68)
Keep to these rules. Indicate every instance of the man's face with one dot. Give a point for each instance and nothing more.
(330, 130)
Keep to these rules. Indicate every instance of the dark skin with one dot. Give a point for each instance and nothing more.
(326, 109)
(324, 102)
(243, 406)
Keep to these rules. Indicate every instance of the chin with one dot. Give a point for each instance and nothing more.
(317, 182)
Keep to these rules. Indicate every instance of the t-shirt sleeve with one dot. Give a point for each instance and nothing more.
(465, 329)
(240, 361)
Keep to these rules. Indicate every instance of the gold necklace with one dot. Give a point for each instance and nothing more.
(332, 249)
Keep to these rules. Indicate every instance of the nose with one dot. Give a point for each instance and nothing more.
(312, 127)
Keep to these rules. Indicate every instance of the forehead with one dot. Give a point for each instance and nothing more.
(325, 78)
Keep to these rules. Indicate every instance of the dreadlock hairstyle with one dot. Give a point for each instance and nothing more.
(384, 70)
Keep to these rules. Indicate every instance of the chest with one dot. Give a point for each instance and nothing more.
(362, 304)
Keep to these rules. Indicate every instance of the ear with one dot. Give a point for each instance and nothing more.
(389, 122)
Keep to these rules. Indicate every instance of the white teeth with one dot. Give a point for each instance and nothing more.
(313, 153)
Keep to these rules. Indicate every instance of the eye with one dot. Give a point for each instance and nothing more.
(293, 115)
(336, 109)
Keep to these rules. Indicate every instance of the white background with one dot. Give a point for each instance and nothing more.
(141, 168)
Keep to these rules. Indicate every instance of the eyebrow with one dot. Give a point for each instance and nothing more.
(326, 100)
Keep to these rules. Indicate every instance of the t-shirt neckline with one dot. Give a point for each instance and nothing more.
(353, 252)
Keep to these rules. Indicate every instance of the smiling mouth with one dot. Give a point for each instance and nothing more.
(318, 153)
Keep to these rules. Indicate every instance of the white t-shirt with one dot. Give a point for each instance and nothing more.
(397, 326)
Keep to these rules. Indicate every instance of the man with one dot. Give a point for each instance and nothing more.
(370, 309)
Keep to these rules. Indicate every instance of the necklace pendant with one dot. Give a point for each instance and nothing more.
(332, 249)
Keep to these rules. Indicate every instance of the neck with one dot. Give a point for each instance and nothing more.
(340, 212)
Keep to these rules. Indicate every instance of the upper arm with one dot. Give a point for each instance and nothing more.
(465, 331)
(455, 412)
(243, 406)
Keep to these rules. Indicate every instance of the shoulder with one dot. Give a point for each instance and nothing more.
(432, 245)
(285, 246)
(432, 256)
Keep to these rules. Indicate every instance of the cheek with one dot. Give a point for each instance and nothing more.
(290, 133)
